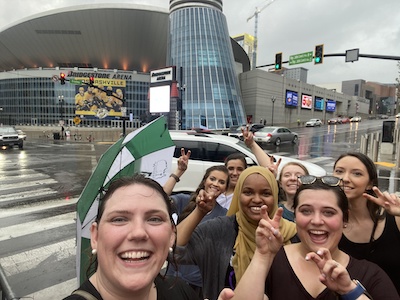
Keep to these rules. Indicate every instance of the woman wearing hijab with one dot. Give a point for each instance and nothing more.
(225, 245)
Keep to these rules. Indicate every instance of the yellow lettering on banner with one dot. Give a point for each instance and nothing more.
(106, 82)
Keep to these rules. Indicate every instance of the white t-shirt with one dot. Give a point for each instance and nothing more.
(225, 200)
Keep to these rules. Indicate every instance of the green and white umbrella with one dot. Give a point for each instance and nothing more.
(148, 150)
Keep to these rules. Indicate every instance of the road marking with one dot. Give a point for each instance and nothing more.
(26, 184)
(30, 259)
(27, 194)
(29, 208)
(58, 291)
(385, 164)
(19, 230)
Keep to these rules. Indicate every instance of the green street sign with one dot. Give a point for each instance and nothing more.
(74, 81)
(300, 58)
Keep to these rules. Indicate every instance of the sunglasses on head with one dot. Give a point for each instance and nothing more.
(328, 180)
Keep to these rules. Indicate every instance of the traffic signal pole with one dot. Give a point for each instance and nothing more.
(375, 56)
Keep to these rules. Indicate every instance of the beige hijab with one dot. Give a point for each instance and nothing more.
(245, 244)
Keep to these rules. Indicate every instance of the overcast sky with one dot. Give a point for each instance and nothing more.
(291, 27)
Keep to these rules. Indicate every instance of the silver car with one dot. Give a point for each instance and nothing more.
(313, 123)
(275, 135)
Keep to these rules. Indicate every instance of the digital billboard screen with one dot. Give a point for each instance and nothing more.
(159, 99)
(330, 105)
(291, 98)
(306, 101)
(319, 103)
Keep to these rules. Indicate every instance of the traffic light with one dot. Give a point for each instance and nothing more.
(62, 78)
(278, 61)
(91, 81)
(319, 54)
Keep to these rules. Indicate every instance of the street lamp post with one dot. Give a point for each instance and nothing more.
(273, 106)
(61, 101)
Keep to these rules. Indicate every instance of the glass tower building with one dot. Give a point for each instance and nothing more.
(200, 48)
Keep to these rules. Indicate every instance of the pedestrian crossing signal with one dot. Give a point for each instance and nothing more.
(278, 61)
(319, 54)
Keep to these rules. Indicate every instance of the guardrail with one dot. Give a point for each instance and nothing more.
(6, 291)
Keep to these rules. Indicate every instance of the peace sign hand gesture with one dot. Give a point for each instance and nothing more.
(333, 275)
(268, 238)
(390, 202)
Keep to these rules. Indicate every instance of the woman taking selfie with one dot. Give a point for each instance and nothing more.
(131, 238)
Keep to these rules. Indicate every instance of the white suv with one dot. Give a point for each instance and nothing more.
(212, 149)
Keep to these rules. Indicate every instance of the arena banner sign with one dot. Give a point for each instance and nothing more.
(93, 101)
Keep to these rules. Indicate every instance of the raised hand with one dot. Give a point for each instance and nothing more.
(332, 274)
(273, 167)
(248, 136)
(390, 202)
(205, 201)
(268, 238)
(183, 160)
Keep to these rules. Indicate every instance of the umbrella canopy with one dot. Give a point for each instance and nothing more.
(148, 150)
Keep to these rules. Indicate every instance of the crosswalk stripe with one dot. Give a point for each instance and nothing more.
(26, 184)
(58, 291)
(36, 226)
(19, 211)
(27, 260)
(26, 194)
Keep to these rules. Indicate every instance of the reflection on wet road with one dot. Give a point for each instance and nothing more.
(322, 145)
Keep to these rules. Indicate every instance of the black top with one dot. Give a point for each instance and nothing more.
(167, 289)
(383, 251)
(282, 282)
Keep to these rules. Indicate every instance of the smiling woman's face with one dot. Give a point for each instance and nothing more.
(319, 219)
(132, 239)
(256, 192)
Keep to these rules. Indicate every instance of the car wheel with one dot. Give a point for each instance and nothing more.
(277, 141)
(20, 146)
(295, 139)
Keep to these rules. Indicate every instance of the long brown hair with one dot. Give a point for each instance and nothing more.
(373, 209)
(192, 201)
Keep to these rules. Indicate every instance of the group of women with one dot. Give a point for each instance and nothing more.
(344, 241)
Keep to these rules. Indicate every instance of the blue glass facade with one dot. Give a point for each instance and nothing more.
(199, 45)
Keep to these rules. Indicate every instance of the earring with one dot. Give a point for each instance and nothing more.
(345, 225)
(171, 250)
(94, 251)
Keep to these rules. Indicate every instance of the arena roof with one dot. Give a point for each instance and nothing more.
(104, 36)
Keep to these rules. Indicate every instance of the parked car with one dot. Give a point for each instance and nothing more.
(345, 120)
(21, 134)
(383, 117)
(9, 137)
(398, 115)
(232, 129)
(275, 135)
(239, 135)
(212, 149)
(313, 123)
(355, 119)
(333, 121)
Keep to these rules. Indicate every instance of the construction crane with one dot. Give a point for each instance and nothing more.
(255, 15)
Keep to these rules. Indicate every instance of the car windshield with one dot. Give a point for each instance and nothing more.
(7, 130)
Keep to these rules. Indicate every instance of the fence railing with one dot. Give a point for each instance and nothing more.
(371, 143)
(6, 291)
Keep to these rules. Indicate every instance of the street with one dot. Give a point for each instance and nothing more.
(40, 185)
